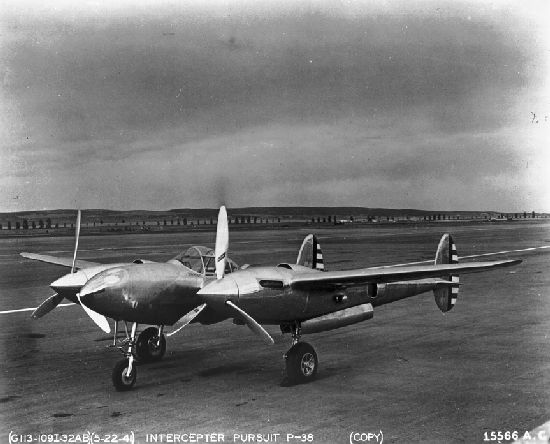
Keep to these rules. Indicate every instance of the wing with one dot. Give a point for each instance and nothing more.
(65, 262)
(332, 279)
(471, 256)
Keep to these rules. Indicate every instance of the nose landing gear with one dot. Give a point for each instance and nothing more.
(150, 346)
(125, 373)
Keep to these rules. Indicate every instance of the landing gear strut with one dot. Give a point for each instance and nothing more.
(125, 372)
(301, 361)
(115, 336)
(150, 346)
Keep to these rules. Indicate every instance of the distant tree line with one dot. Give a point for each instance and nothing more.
(27, 223)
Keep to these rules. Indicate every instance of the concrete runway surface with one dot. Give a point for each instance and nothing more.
(411, 372)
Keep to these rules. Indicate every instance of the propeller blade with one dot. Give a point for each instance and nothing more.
(187, 318)
(47, 306)
(222, 242)
(252, 324)
(99, 319)
(77, 235)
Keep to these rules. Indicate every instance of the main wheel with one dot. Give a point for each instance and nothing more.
(148, 346)
(121, 380)
(301, 363)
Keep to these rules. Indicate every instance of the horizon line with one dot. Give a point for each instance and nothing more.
(272, 207)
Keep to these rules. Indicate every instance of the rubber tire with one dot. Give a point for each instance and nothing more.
(120, 381)
(299, 362)
(144, 347)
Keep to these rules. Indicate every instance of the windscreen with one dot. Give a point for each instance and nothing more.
(201, 260)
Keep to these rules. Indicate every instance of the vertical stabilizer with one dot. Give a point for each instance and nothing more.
(446, 295)
(310, 254)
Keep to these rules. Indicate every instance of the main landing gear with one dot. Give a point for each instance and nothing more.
(301, 361)
(150, 346)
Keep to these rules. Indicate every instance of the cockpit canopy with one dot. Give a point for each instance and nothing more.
(201, 259)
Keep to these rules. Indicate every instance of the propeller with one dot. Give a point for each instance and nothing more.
(222, 243)
(252, 324)
(220, 255)
(216, 292)
(99, 319)
(47, 306)
(187, 318)
(77, 236)
(54, 300)
(69, 281)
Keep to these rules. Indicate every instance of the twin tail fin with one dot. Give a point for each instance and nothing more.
(446, 295)
(310, 254)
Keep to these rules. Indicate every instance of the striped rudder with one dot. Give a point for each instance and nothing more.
(446, 295)
(310, 254)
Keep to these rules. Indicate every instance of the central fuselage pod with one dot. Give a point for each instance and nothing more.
(154, 293)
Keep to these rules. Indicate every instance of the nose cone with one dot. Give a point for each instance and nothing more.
(70, 282)
(217, 292)
(100, 292)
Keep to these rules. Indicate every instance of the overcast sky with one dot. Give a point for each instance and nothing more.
(158, 105)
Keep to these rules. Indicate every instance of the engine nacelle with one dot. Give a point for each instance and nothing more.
(340, 318)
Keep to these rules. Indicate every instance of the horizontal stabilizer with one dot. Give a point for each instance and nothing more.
(446, 283)
(473, 256)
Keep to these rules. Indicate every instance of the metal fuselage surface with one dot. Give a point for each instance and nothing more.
(265, 294)
(151, 293)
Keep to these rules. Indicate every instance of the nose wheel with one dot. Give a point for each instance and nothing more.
(122, 379)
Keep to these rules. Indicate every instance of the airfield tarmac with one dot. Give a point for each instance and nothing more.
(413, 373)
